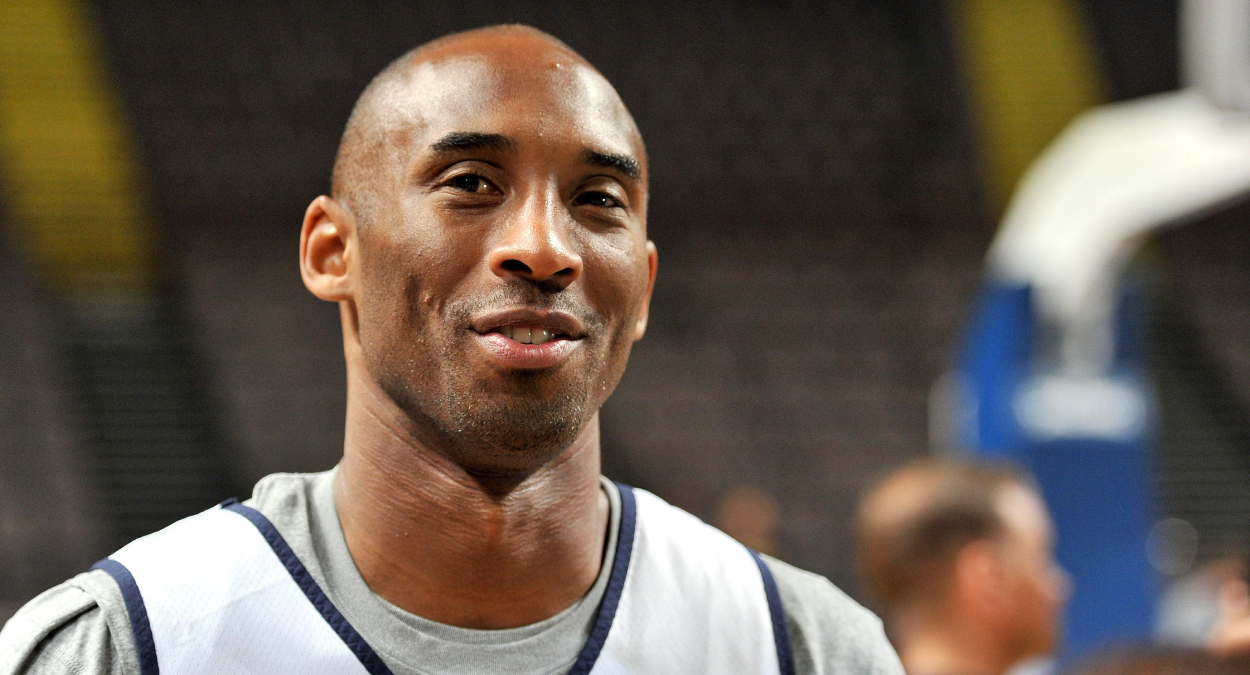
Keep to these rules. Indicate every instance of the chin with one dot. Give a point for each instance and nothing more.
(512, 433)
(496, 422)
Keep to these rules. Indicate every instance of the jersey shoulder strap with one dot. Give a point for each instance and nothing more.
(222, 592)
(693, 601)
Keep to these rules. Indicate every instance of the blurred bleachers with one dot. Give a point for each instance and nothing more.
(1199, 334)
(49, 520)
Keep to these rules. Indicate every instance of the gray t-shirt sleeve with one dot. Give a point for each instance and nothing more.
(830, 634)
(80, 627)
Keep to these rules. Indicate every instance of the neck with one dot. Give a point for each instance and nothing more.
(433, 539)
(947, 646)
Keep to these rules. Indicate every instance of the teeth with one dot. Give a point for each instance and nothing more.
(526, 335)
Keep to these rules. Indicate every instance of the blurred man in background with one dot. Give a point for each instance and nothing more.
(961, 559)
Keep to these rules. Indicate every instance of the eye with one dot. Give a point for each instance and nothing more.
(472, 183)
(600, 199)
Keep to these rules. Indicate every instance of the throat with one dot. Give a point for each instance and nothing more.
(472, 551)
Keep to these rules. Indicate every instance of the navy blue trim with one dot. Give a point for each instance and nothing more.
(144, 644)
(616, 583)
(781, 634)
(368, 658)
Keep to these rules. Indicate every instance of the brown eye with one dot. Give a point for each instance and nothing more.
(600, 199)
(471, 183)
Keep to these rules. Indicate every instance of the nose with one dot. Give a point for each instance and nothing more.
(535, 245)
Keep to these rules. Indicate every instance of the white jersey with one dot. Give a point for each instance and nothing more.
(222, 592)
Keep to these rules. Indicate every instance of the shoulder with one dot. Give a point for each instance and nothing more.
(292, 502)
(281, 495)
(830, 633)
(80, 626)
(298, 506)
(220, 542)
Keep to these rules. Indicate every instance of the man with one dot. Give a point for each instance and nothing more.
(961, 558)
(486, 244)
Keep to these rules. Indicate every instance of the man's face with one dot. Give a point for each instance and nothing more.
(1038, 585)
(504, 269)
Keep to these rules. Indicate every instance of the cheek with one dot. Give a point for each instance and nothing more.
(1059, 585)
(1044, 588)
(390, 308)
(413, 273)
(616, 281)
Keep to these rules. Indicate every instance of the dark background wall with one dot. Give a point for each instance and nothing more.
(816, 203)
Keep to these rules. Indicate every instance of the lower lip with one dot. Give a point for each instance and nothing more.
(513, 354)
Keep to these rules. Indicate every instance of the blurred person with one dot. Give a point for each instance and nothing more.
(1203, 606)
(1229, 637)
(485, 241)
(1209, 607)
(961, 558)
(749, 514)
(1155, 661)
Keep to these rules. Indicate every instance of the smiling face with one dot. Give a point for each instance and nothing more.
(501, 269)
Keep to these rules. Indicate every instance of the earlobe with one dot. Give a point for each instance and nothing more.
(640, 327)
(327, 242)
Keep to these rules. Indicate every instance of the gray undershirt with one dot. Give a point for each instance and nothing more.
(82, 626)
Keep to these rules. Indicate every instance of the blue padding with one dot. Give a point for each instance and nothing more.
(616, 583)
(144, 644)
(781, 634)
(1099, 497)
(1098, 490)
(368, 658)
(996, 355)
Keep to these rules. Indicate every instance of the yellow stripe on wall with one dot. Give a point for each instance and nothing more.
(1032, 67)
(68, 180)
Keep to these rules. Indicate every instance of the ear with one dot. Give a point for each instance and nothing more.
(653, 260)
(327, 244)
(980, 578)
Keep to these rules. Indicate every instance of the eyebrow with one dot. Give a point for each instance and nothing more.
(625, 164)
(459, 141)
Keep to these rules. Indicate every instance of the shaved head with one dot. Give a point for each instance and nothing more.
(500, 58)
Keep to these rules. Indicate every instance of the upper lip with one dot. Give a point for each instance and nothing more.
(557, 322)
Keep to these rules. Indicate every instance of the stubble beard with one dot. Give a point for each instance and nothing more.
(510, 423)
(513, 422)
(515, 429)
(491, 429)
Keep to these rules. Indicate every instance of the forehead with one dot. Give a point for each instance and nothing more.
(534, 99)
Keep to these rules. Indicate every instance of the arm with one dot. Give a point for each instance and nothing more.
(78, 627)
(830, 633)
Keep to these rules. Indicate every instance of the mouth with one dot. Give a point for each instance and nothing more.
(528, 339)
(530, 335)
